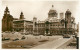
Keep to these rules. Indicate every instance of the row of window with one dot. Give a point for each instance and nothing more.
(19, 26)
(50, 25)
(53, 31)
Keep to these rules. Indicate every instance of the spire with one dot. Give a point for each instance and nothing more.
(6, 8)
(68, 11)
(21, 13)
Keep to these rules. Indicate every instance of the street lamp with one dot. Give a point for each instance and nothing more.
(77, 36)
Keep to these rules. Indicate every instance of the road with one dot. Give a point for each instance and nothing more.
(53, 44)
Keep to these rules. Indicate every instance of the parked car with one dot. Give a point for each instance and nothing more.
(16, 39)
(49, 34)
(3, 39)
(23, 37)
(66, 36)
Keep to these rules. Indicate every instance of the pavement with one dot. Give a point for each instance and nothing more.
(53, 44)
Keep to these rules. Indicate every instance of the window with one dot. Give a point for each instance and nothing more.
(51, 25)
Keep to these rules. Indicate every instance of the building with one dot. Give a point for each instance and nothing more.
(22, 25)
(50, 26)
(7, 21)
(54, 26)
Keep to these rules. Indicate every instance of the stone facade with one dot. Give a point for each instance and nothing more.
(55, 26)
(23, 26)
(50, 26)
(7, 21)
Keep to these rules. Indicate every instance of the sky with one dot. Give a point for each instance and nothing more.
(40, 9)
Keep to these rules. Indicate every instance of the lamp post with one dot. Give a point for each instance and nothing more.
(77, 39)
(77, 36)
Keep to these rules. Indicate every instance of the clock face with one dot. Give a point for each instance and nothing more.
(6, 12)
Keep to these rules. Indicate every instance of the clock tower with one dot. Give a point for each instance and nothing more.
(7, 21)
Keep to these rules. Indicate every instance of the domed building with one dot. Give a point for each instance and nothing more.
(52, 12)
(50, 26)
(54, 25)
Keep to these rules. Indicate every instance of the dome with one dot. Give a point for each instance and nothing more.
(52, 10)
(34, 17)
(68, 11)
(22, 13)
(52, 13)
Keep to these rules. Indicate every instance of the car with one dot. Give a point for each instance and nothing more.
(66, 36)
(3, 39)
(49, 34)
(16, 39)
(23, 37)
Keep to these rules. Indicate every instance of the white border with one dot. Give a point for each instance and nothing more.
(31, 0)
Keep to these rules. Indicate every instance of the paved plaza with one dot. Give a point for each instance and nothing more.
(36, 42)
